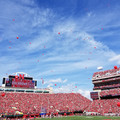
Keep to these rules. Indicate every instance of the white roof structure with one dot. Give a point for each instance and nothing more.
(25, 74)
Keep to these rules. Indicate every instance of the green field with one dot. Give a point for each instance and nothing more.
(82, 118)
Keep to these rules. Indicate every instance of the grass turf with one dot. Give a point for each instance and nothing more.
(81, 118)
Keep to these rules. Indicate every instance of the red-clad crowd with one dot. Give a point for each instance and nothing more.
(110, 92)
(33, 102)
(107, 86)
(104, 106)
(107, 73)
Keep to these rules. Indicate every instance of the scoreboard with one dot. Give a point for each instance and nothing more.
(20, 82)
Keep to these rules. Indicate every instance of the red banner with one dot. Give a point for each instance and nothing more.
(22, 83)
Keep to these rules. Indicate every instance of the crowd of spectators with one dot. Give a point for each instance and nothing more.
(110, 92)
(107, 86)
(106, 73)
(104, 106)
(34, 103)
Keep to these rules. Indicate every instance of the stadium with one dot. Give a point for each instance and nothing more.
(20, 98)
(60, 59)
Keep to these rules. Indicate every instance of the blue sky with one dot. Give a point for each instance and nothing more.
(61, 41)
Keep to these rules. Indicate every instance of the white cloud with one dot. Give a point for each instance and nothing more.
(58, 80)
(64, 81)
(85, 93)
(89, 14)
(115, 58)
(50, 85)
(27, 2)
(65, 88)
(64, 53)
(71, 88)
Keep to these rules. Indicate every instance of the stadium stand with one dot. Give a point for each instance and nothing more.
(104, 106)
(112, 92)
(107, 86)
(106, 92)
(31, 103)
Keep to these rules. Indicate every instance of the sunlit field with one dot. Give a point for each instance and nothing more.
(81, 118)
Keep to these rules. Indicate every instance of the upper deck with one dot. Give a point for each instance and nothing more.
(106, 74)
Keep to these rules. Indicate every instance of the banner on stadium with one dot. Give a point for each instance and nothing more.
(94, 95)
